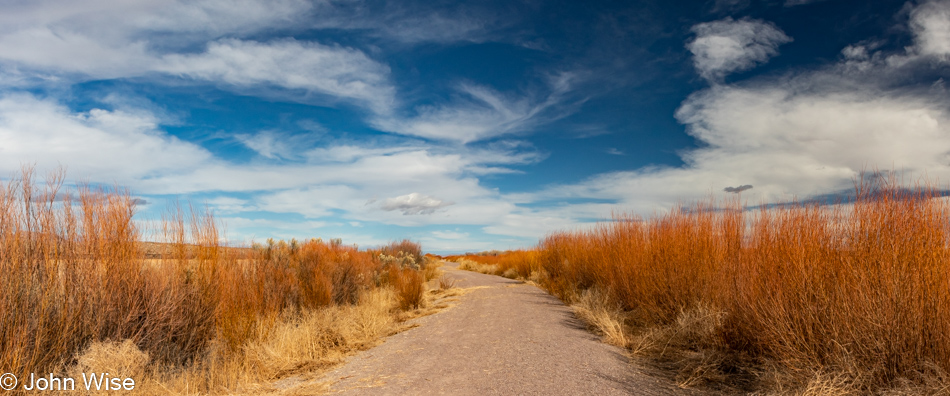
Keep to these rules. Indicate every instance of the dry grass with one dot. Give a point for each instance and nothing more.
(446, 283)
(474, 266)
(80, 291)
(514, 264)
(595, 308)
(410, 287)
(799, 299)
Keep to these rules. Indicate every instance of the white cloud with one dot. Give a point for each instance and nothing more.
(480, 113)
(350, 152)
(425, 186)
(330, 70)
(414, 204)
(789, 141)
(274, 144)
(43, 42)
(265, 143)
(312, 202)
(930, 23)
(209, 42)
(725, 46)
(797, 136)
(106, 146)
(227, 205)
(105, 39)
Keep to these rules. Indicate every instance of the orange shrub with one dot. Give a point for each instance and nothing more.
(409, 285)
(75, 271)
(515, 263)
(863, 291)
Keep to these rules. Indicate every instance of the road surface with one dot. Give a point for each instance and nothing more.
(503, 338)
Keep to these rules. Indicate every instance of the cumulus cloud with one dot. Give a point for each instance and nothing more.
(803, 135)
(725, 46)
(790, 140)
(414, 204)
(103, 145)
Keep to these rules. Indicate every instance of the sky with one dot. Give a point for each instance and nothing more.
(470, 126)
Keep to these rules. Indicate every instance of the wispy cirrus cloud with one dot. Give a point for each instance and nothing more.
(480, 113)
(209, 42)
(338, 72)
(101, 39)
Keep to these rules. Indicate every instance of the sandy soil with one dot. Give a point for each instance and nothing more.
(505, 337)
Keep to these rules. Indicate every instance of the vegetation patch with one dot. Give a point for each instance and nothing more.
(802, 298)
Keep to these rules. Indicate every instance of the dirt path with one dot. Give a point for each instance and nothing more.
(505, 338)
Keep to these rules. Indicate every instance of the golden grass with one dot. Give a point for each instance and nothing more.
(595, 308)
(81, 292)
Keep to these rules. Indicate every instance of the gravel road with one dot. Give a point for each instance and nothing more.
(505, 338)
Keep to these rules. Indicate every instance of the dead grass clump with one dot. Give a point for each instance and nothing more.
(320, 338)
(603, 316)
(432, 269)
(119, 359)
(409, 286)
(446, 283)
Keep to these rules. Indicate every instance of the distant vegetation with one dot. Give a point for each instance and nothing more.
(800, 298)
(81, 292)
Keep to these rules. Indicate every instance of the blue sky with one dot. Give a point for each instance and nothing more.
(470, 126)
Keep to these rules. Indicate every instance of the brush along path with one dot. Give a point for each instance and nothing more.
(503, 338)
